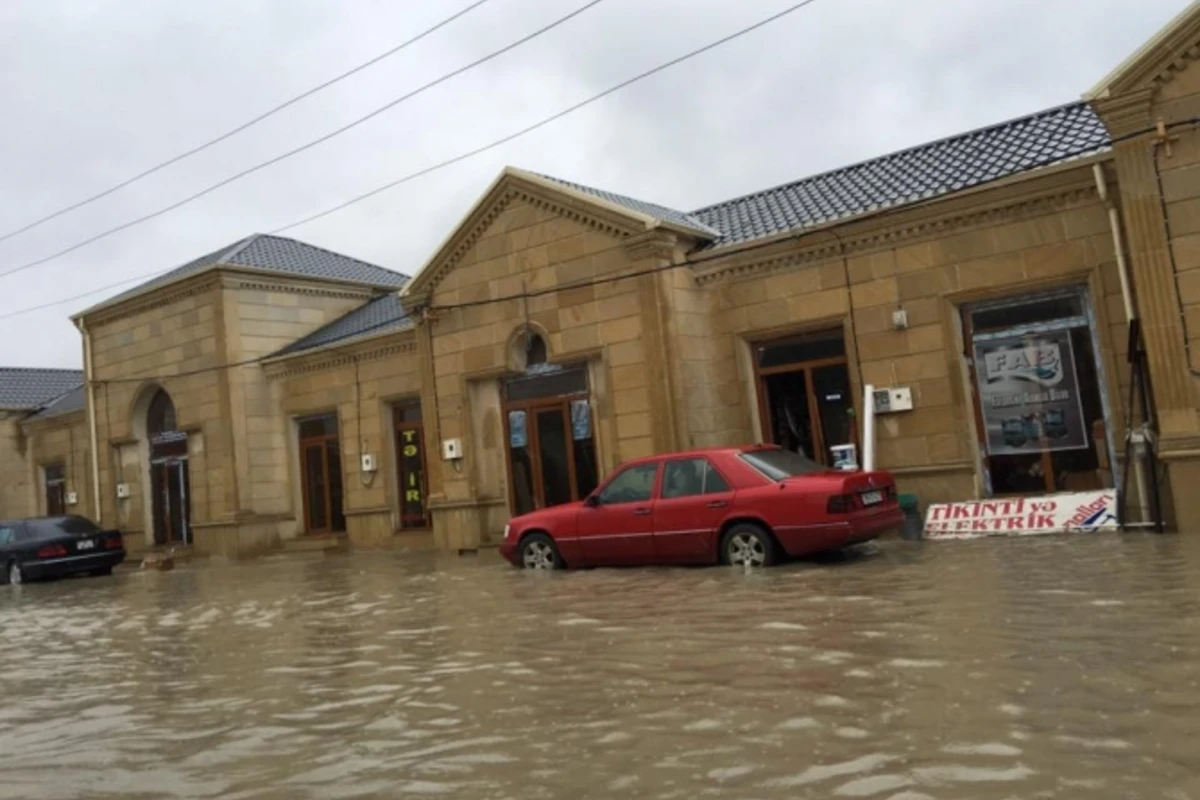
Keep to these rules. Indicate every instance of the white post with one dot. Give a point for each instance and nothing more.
(868, 438)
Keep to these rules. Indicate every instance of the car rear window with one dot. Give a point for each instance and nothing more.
(75, 525)
(780, 464)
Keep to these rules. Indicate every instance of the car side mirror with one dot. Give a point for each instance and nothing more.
(592, 501)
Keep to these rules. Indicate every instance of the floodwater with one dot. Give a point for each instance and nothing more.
(1036, 668)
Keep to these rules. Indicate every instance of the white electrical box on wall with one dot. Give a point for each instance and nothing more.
(897, 398)
(452, 449)
(122, 491)
(72, 498)
(368, 462)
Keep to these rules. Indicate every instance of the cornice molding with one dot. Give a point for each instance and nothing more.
(795, 252)
(205, 282)
(328, 361)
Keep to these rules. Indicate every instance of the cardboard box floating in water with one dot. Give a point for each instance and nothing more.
(1075, 512)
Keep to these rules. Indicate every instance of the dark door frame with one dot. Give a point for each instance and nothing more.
(531, 409)
(816, 430)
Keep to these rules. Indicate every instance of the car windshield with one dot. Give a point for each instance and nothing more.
(780, 464)
(75, 525)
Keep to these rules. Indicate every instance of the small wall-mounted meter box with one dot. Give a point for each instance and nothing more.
(122, 491)
(897, 398)
(452, 449)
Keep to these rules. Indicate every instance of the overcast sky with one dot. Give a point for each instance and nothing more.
(93, 92)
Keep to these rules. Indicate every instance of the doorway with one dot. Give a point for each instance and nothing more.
(805, 400)
(1038, 391)
(410, 463)
(169, 479)
(56, 489)
(551, 438)
(321, 474)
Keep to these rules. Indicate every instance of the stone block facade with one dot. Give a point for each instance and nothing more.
(661, 320)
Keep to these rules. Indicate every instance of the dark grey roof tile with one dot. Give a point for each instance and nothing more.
(278, 254)
(68, 403)
(640, 206)
(27, 388)
(381, 314)
(919, 173)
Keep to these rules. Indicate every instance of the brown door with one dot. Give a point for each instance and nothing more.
(321, 475)
(551, 440)
(805, 398)
(56, 490)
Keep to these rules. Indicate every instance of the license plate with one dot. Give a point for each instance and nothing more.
(871, 498)
(85, 544)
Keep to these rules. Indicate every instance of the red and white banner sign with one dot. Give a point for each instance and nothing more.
(1022, 516)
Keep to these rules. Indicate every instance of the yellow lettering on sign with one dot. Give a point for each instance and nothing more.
(410, 450)
(412, 479)
(412, 495)
(408, 435)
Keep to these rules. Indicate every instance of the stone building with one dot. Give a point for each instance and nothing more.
(275, 394)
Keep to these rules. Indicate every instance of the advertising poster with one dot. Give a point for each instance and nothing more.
(1029, 394)
(517, 435)
(1077, 512)
(581, 420)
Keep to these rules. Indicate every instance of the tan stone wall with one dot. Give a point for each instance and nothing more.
(16, 489)
(616, 326)
(932, 447)
(361, 384)
(60, 440)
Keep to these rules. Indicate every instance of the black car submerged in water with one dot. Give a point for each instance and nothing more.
(54, 547)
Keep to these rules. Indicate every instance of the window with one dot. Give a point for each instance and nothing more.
(631, 485)
(780, 464)
(6, 535)
(695, 476)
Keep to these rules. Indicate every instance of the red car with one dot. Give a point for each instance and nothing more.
(746, 506)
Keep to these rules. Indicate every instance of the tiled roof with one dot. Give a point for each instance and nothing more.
(278, 254)
(26, 388)
(641, 206)
(919, 173)
(67, 403)
(381, 314)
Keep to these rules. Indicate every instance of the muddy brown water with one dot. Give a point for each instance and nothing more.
(1056, 667)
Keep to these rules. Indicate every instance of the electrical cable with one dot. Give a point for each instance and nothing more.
(297, 150)
(244, 126)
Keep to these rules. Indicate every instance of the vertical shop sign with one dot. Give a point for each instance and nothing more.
(412, 507)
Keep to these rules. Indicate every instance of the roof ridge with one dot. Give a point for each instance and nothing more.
(236, 248)
(1071, 105)
(279, 238)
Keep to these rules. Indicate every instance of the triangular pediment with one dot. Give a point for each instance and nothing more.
(1156, 62)
(516, 186)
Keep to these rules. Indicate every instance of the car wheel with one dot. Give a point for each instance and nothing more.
(538, 551)
(748, 546)
(15, 576)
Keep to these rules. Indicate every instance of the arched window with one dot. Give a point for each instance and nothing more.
(535, 351)
(160, 418)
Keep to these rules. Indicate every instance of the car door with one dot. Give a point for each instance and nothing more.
(616, 525)
(692, 503)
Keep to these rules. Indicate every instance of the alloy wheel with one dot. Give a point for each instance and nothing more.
(746, 550)
(538, 555)
(14, 574)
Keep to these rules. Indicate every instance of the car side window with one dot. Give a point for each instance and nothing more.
(632, 485)
(6, 535)
(23, 533)
(691, 477)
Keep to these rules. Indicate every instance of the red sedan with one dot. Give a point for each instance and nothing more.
(746, 506)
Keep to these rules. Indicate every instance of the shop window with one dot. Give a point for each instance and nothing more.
(410, 459)
(804, 394)
(56, 489)
(1039, 394)
(321, 474)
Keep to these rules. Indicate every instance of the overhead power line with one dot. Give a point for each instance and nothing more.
(244, 126)
(302, 148)
(528, 129)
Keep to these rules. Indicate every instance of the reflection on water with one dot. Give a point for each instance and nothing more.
(1062, 667)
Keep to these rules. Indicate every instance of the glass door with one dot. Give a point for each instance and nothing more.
(321, 475)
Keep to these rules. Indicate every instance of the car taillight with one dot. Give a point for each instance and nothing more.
(113, 543)
(891, 492)
(52, 551)
(840, 503)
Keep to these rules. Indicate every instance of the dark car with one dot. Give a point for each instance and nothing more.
(54, 547)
